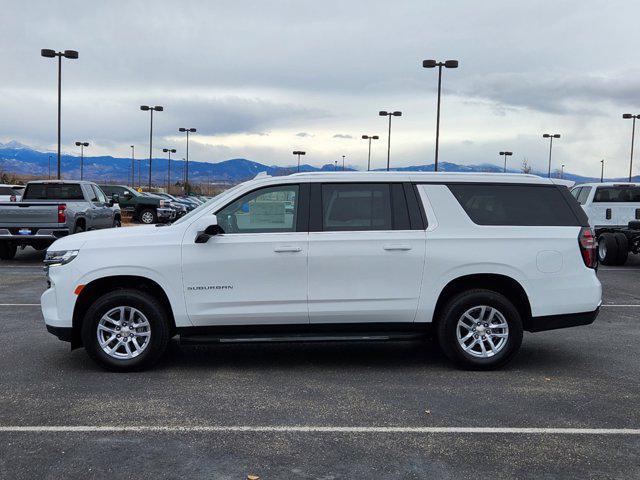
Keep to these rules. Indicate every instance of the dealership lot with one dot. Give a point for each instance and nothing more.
(322, 410)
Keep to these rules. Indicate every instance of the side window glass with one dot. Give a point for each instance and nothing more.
(351, 207)
(268, 210)
(93, 196)
(99, 194)
(583, 195)
(576, 192)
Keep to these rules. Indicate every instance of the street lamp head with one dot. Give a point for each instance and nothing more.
(375, 137)
(545, 135)
(158, 108)
(383, 113)
(70, 54)
(397, 114)
(78, 144)
(508, 154)
(451, 64)
(192, 130)
(165, 150)
(365, 137)
(144, 107)
(47, 52)
(85, 144)
(624, 115)
(173, 150)
(182, 129)
(556, 135)
(429, 64)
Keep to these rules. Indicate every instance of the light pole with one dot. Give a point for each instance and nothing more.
(70, 54)
(82, 145)
(335, 165)
(383, 113)
(433, 64)
(367, 137)
(602, 170)
(506, 154)
(298, 153)
(133, 166)
(550, 136)
(169, 151)
(145, 108)
(633, 134)
(562, 171)
(187, 187)
(343, 162)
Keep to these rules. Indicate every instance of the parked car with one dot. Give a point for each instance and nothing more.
(180, 205)
(143, 208)
(614, 213)
(178, 208)
(49, 210)
(11, 193)
(470, 258)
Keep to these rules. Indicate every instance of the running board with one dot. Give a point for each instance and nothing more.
(296, 338)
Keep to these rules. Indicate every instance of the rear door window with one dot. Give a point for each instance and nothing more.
(53, 191)
(356, 206)
(519, 205)
(618, 194)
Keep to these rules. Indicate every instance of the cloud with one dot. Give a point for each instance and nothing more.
(304, 135)
(342, 135)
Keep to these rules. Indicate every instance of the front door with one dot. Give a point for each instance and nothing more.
(256, 271)
(366, 258)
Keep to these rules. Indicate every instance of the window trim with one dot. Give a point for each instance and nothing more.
(302, 219)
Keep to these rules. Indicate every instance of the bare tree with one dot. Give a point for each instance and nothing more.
(526, 168)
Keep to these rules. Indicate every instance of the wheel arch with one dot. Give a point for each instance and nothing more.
(503, 284)
(100, 286)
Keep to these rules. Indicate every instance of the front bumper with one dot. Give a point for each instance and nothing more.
(63, 333)
(554, 322)
(166, 214)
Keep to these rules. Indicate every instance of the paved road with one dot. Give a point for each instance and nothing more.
(575, 378)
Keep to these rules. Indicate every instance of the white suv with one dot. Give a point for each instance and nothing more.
(473, 259)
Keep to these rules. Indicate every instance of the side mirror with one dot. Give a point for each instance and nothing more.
(211, 229)
(115, 198)
(111, 202)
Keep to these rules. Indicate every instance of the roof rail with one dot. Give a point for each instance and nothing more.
(261, 175)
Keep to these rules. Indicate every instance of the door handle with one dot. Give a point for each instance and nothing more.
(287, 248)
(397, 247)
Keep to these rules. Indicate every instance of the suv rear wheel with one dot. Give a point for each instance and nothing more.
(480, 329)
(125, 330)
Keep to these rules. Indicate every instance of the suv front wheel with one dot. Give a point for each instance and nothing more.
(125, 330)
(480, 329)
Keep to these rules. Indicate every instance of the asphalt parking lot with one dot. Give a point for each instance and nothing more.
(322, 411)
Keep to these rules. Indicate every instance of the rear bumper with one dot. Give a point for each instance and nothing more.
(38, 234)
(63, 333)
(554, 322)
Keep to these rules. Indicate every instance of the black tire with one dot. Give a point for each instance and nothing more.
(150, 307)
(148, 216)
(117, 223)
(623, 248)
(78, 229)
(8, 250)
(607, 249)
(447, 326)
(634, 225)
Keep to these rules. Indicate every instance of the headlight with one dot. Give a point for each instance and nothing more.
(61, 257)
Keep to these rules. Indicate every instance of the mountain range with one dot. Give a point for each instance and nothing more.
(22, 159)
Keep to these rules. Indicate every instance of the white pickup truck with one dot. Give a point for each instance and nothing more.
(473, 259)
(614, 213)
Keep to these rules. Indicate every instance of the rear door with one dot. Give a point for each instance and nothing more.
(365, 256)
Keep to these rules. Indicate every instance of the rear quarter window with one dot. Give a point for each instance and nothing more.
(519, 205)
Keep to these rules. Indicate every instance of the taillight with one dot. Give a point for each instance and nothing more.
(12, 198)
(587, 242)
(62, 217)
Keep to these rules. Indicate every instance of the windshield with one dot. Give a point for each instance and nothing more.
(204, 206)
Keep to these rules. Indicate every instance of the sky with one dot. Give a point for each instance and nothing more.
(259, 79)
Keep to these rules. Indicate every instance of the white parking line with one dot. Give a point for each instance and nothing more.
(311, 429)
(19, 304)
